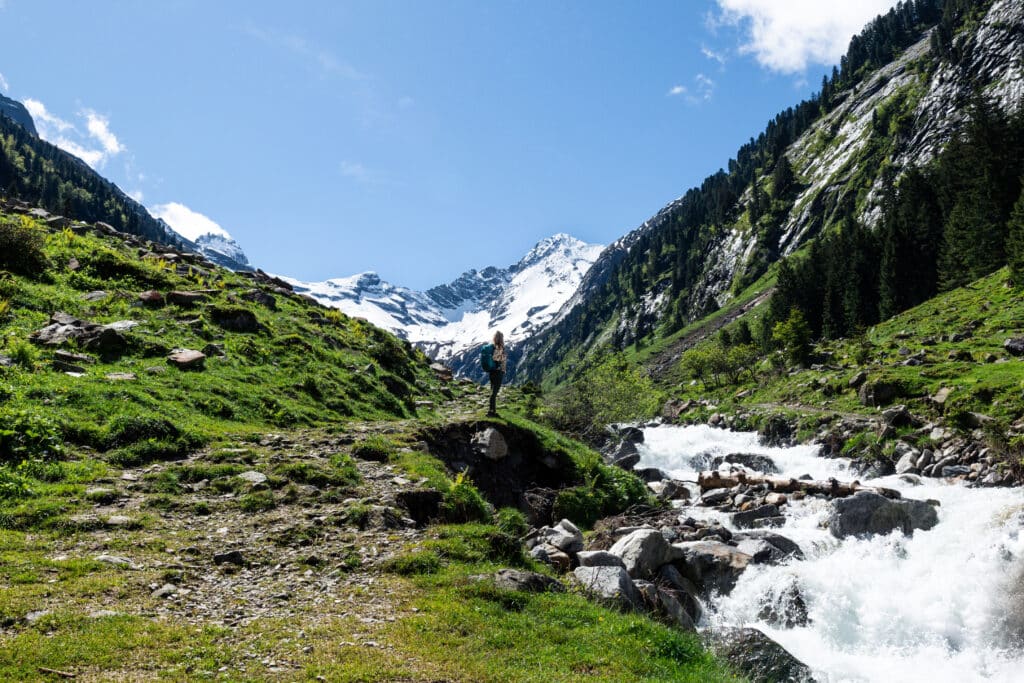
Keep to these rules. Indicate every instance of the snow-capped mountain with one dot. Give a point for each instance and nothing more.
(209, 239)
(451, 321)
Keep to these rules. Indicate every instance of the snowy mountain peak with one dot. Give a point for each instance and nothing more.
(449, 321)
(209, 238)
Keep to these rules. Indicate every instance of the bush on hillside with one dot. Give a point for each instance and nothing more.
(21, 247)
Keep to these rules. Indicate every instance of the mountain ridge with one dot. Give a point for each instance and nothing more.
(450, 321)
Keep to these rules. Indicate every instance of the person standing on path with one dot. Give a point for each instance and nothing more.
(492, 358)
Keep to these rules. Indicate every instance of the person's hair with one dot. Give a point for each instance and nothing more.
(499, 339)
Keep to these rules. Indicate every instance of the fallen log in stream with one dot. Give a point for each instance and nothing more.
(832, 488)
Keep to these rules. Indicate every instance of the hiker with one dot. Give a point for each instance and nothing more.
(492, 359)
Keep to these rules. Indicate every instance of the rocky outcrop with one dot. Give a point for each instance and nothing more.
(759, 658)
(17, 112)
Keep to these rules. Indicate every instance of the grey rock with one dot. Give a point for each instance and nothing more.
(673, 605)
(115, 560)
(751, 461)
(610, 583)
(746, 519)
(644, 552)
(187, 359)
(253, 477)
(490, 444)
(230, 557)
(529, 582)
(1014, 346)
(866, 513)
(165, 591)
(759, 658)
(711, 565)
(907, 461)
(599, 558)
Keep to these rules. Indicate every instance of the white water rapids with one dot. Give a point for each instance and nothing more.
(943, 605)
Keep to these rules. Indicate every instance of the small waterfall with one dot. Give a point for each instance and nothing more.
(943, 605)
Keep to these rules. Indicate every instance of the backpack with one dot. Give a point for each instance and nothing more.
(487, 357)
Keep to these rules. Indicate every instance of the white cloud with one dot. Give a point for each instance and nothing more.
(186, 222)
(44, 120)
(137, 195)
(4, 85)
(787, 35)
(712, 55)
(701, 90)
(99, 128)
(326, 61)
(69, 138)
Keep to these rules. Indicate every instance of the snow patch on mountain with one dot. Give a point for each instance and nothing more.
(451, 319)
(209, 238)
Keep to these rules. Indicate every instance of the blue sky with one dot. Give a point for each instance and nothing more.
(416, 139)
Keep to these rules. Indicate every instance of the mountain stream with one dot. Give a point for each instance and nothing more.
(942, 605)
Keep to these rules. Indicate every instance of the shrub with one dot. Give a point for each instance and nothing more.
(608, 491)
(260, 501)
(512, 522)
(376, 448)
(610, 391)
(13, 485)
(24, 354)
(124, 430)
(413, 564)
(463, 502)
(24, 434)
(21, 247)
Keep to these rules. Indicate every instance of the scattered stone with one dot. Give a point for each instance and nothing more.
(1014, 346)
(528, 582)
(878, 393)
(115, 560)
(118, 520)
(152, 298)
(253, 477)
(857, 379)
(549, 554)
(235, 319)
(260, 297)
(101, 495)
(121, 376)
(866, 513)
(187, 359)
(230, 557)
(185, 299)
(33, 617)
(165, 591)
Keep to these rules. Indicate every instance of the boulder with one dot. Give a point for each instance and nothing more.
(672, 603)
(752, 461)
(565, 536)
(490, 444)
(866, 513)
(185, 299)
(152, 298)
(674, 408)
(896, 416)
(644, 552)
(878, 393)
(528, 582)
(781, 548)
(599, 558)
(422, 505)
(235, 319)
(260, 297)
(711, 565)
(907, 462)
(611, 584)
(759, 658)
(746, 519)
(784, 607)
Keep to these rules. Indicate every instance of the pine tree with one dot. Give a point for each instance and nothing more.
(1015, 241)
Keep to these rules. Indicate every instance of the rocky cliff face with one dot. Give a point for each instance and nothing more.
(451, 321)
(897, 118)
(16, 111)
